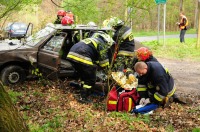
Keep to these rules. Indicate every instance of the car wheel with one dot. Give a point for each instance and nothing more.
(12, 75)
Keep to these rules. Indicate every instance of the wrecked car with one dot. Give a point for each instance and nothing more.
(41, 54)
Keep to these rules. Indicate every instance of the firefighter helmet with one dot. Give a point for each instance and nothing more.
(91, 24)
(115, 22)
(103, 36)
(66, 20)
(143, 53)
(61, 13)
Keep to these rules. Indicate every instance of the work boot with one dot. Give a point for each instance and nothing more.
(84, 96)
(75, 85)
(179, 99)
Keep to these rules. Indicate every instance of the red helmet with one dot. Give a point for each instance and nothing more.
(61, 13)
(66, 20)
(143, 53)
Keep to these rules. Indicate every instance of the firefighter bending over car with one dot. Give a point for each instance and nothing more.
(85, 56)
(125, 46)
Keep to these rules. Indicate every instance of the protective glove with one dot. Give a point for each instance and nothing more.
(144, 101)
(147, 101)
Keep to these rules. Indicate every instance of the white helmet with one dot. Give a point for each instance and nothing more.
(91, 24)
(115, 22)
(104, 36)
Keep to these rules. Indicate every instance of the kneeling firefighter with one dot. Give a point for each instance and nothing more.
(85, 56)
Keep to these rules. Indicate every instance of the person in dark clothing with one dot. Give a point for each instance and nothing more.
(125, 46)
(183, 27)
(85, 56)
(60, 15)
(143, 54)
(159, 82)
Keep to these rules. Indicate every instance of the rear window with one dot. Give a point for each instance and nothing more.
(16, 26)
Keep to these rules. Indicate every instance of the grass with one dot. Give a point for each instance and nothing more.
(14, 95)
(155, 33)
(173, 49)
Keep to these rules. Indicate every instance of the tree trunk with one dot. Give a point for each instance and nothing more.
(181, 5)
(10, 119)
(196, 15)
(198, 37)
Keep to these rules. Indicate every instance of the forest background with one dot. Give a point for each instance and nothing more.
(140, 14)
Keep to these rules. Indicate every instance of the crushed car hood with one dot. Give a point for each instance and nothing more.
(11, 45)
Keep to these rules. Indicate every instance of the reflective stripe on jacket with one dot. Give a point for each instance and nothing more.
(160, 80)
(183, 23)
(124, 37)
(88, 51)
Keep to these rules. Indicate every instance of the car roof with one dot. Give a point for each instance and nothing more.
(80, 27)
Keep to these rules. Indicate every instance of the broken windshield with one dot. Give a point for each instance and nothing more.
(40, 35)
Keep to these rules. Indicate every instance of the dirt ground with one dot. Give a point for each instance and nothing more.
(186, 75)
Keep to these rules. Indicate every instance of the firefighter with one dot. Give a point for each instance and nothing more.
(124, 49)
(66, 20)
(143, 54)
(159, 83)
(60, 15)
(85, 56)
(71, 15)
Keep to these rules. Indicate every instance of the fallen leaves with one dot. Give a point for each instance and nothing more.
(54, 107)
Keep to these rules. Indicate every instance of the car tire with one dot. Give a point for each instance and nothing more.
(12, 75)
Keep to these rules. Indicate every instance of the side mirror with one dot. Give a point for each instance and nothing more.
(29, 30)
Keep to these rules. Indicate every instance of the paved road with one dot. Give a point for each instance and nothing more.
(151, 38)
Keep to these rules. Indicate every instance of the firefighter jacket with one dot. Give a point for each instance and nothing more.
(159, 81)
(125, 40)
(183, 23)
(57, 21)
(89, 51)
(142, 88)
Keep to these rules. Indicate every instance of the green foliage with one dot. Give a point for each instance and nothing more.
(170, 128)
(175, 50)
(130, 118)
(194, 110)
(36, 72)
(85, 10)
(196, 130)
(50, 125)
(8, 7)
(14, 95)
(94, 10)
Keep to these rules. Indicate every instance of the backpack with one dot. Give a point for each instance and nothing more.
(122, 100)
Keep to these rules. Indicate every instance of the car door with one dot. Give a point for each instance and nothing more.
(49, 58)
